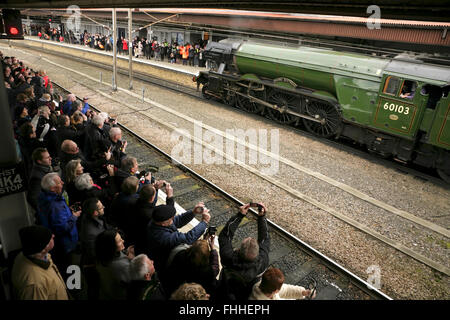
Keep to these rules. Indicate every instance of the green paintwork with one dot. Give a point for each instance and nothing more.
(356, 82)
(440, 132)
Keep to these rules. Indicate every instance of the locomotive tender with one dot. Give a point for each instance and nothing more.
(397, 107)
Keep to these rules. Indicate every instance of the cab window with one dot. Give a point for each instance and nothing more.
(391, 86)
(408, 89)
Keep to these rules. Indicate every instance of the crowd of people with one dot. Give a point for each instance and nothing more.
(186, 54)
(94, 209)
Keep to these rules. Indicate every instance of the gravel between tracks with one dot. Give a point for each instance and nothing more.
(402, 277)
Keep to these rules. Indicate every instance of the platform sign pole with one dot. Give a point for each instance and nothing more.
(114, 75)
(130, 48)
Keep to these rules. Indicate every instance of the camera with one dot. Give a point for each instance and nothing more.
(142, 174)
(256, 205)
(211, 230)
(76, 207)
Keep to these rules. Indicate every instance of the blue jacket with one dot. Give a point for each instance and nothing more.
(85, 108)
(54, 214)
(67, 107)
(161, 240)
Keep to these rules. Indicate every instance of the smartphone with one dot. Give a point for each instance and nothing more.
(256, 205)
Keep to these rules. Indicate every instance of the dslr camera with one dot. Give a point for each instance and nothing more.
(211, 231)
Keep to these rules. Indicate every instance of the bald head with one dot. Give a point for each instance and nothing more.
(70, 147)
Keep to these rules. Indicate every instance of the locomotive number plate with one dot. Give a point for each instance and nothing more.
(395, 116)
(396, 108)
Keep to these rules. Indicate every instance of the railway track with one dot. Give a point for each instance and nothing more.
(300, 262)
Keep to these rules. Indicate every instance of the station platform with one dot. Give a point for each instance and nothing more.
(122, 60)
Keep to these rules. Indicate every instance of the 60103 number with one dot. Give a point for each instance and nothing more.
(396, 108)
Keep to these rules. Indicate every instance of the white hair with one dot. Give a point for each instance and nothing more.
(98, 120)
(138, 267)
(83, 182)
(104, 115)
(114, 131)
(48, 181)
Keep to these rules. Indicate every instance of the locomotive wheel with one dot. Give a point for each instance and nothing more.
(246, 104)
(229, 99)
(283, 100)
(328, 113)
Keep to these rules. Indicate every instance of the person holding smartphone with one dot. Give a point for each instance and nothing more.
(242, 267)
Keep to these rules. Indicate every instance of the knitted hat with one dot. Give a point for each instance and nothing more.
(163, 213)
(34, 239)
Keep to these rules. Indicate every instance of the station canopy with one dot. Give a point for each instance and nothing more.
(425, 10)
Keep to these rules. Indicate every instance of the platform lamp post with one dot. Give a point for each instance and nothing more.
(130, 48)
(114, 75)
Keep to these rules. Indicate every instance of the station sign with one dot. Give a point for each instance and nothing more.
(12, 179)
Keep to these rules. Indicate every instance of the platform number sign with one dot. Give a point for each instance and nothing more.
(12, 180)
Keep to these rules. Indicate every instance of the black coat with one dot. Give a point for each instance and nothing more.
(145, 290)
(121, 210)
(89, 230)
(94, 136)
(27, 146)
(34, 184)
(182, 271)
(69, 133)
(105, 195)
(140, 219)
(249, 271)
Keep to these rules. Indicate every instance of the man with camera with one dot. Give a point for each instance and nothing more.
(163, 235)
(243, 267)
(130, 167)
(118, 146)
(94, 134)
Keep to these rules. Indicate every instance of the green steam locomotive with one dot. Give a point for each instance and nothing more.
(397, 107)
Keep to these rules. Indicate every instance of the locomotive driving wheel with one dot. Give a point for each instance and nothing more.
(284, 101)
(247, 104)
(329, 116)
(228, 95)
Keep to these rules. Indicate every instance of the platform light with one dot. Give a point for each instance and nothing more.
(11, 24)
(13, 31)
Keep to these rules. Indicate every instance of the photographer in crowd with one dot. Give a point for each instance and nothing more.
(163, 234)
(244, 266)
